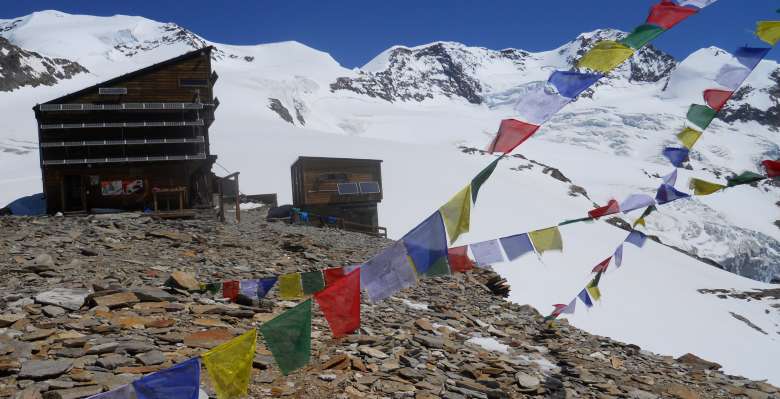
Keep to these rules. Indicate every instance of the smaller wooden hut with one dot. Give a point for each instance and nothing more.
(343, 188)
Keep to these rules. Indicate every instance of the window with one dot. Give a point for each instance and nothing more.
(186, 82)
(112, 91)
(348, 189)
(369, 187)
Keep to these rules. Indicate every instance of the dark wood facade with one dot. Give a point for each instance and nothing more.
(115, 144)
(344, 188)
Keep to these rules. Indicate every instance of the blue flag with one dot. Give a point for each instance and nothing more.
(637, 238)
(667, 193)
(677, 156)
(265, 285)
(618, 256)
(751, 56)
(516, 246)
(585, 298)
(571, 84)
(426, 244)
(181, 381)
(248, 288)
(671, 178)
(123, 392)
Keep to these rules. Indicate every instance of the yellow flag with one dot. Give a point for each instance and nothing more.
(230, 365)
(594, 292)
(640, 221)
(701, 187)
(768, 31)
(290, 286)
(689, 137)
(457, 213)
(546, 239)
(605, 56)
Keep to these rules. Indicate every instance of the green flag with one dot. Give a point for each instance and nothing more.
(642, 35)
(312, 282)
(481, 178)
(572, 221)
(701, 115)
(288, 336)
(744, 178)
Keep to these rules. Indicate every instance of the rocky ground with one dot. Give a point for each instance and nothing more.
(87, 306)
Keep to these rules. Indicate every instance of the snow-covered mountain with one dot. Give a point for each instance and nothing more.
(421, 109)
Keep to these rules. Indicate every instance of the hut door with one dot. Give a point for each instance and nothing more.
(73, 193)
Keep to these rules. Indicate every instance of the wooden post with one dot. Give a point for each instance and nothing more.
(221, 201)
(238, 201)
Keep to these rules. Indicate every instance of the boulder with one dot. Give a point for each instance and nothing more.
(44, 369)
(68, 298)
(184, 281)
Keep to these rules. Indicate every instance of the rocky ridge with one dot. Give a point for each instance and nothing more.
(92, 303)
(19, 68)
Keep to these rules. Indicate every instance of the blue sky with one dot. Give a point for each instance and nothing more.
(354, 31)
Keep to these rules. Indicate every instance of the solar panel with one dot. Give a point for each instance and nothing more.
(348, 188)
(369, 187)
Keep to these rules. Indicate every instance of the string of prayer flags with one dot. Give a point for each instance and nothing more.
(487, 253)
(667, 14)
(511, 133)
(312, 282)
(585, 298)
(605, 56)
(618, 255)
(671, 178)
(548, 239)
(340, 303)
(715, 99)
(123, 392)
(457, 213)
(290, 286)
(689, 137)
(636, 201)
(668, 194)
(637, 238)
(702, 187)
(426, 245)
(677, 156)
(642, 35)
(230, 365)
(333, 274)
(481, 178)
(516, 246)
(744, 178)
(772, 167)
(750, 57)
(288, 337)
(181, 381)
(602, 266)
(768, 31)
(459, 259)
(230, 289)
(697, 3)
(387, 273)
(570, 84)
(732, 76)
(612, 207)
(701, 115)
(572, 221)
(537, 102)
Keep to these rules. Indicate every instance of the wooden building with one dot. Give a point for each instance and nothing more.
(343, 188)
(132, 142)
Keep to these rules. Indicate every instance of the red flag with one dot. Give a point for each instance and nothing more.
(332, 275)
(716, 99)
(559, 307)
(340, 303)
(772, 168)
(459, 259)
(612, 207)
(602, 267)
(667, 14)
(511, 134)
(230, 290)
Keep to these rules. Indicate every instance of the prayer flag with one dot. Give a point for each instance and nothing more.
(312, 282)
(537, 102)
(511, 134)
(569, 309)
(212, 288)
(570, 84)
(288, 337)
(123, 392)
(459, 259)
(716, 99)
(744, 178)
(667, 14)
(558, 308)
(671, 178)
(697, 3)
(637, 238)
(750, 57)
(640, 221)
(605, 56)
(701, 187)
(612, 207)
(481, 178)
(457, 213)
(546, 240)
(772, 167)
(230, 365)
(668, 194)
(249, 288)
(387, 273)
(585, 298)
(650, 209)
(642, 35)
(677, 156)
(487, 253)
(181, 381)
(426, 244)
(732, 76)
(516, 246)
(701, 115)
(350, 269)
(340, 303)
(768, 31)
(595, 292)
(618, 256)
(332, 275)
(602, 267)
(290, 286)
(265, 286)
(689, 137)
(636, 201)
(230, 289)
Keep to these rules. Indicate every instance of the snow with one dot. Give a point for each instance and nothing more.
(488, 343)
(414, 305)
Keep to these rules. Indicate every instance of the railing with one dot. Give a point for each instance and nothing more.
(198, 122)
(121, 107)
(91, 143)
(124, 159)
(321, 221)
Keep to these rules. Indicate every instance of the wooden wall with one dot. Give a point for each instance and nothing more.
(310, 189)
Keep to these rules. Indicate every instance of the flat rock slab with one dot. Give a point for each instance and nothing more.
(185, 280)
(151, 358)
(153, 295)
(208, 339)
(117, 300)
(44, 369)
(68, 298)
(8, 319)
(74, 393)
